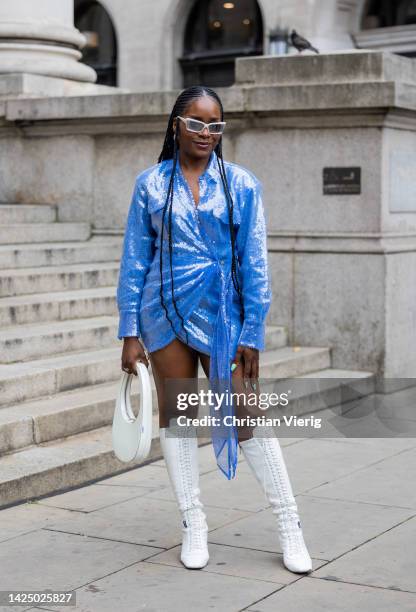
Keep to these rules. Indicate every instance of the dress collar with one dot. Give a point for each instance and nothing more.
(212, 169)
(211, 172)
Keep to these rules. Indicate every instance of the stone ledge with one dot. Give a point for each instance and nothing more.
(339, 67)
(394, 38)
(344, 80)
(235, 100)
(341, 242)
(24, 85)
(284, 84)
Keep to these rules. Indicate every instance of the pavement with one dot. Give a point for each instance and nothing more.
(117, 542)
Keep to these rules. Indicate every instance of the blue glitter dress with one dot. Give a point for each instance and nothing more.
(201, 264)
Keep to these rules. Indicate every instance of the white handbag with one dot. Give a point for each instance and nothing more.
(132, 436)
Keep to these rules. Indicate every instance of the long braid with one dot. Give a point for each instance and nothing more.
(170, 151)
(234, 275)
(175, 159)
(161, 255)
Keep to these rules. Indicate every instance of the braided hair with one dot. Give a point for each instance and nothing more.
(170, 151)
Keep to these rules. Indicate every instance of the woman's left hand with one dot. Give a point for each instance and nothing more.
(248, 359)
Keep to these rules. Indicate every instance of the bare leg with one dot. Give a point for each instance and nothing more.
(176, 361)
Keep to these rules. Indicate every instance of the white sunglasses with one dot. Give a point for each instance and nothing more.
(194, 125)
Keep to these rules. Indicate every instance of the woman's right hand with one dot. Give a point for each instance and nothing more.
(133, 351)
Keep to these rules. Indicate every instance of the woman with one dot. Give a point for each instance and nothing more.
(203, 296)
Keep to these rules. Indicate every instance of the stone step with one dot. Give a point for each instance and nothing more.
(46, 279)
(32, 341)
(291, 361)
(68, 413)
(62, 464)
(19, 233)
(314, 391)
(60, 253)
(40, 308)
(76, 460)
(11, 214)
(57, 306)
(20, 382)
(63, 414)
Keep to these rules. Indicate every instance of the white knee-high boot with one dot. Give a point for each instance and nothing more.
(180, 451)
(265, 459)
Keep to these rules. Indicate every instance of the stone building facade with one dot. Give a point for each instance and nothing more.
(334, 137)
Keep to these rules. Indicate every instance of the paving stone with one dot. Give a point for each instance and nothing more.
(93, 497)
(316, 462)
(390, 446)
(386, 482)
(13, 609)
(141, 520)
(317, 595)
(53, 560)
(234, 561)
(361, 548)
(147, 476)
(388, 561)
(24, 518)
(330, 527)
(152, 587)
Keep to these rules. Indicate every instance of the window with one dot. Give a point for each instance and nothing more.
(216, 33)
(388, 13)
(389, 25)
(100, 52)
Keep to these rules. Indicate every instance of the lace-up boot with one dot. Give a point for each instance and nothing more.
(180, 451)
(266, 461)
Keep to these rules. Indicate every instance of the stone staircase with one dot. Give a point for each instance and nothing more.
(60, 356)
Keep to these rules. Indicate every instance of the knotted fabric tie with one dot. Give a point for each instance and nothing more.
(224, 436)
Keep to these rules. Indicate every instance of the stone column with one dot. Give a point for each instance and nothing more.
(332, 24)
(39, 37)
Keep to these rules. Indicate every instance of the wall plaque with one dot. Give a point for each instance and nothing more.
(342, 181)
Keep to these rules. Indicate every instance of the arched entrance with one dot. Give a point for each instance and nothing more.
(216, 33)
(100, 52)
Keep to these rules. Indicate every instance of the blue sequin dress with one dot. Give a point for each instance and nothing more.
(204, 292)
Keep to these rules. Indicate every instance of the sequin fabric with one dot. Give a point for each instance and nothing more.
(204, 292)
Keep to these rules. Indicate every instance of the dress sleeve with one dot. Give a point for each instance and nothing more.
(137, 255)
(254, 270)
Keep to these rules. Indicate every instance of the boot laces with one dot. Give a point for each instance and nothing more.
(194, 522)
(286, 507)
(294, 536)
